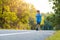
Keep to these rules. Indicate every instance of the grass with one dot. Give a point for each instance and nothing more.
(56, 36)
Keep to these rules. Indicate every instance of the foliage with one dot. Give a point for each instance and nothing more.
(56, 16)
(15, 14)
(47, 21)
(56, 36)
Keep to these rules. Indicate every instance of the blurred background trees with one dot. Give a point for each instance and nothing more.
(55, 18)
(16, 14)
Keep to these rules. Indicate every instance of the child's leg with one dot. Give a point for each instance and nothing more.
(38, 26)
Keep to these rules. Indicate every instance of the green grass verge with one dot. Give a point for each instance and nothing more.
(56, 36)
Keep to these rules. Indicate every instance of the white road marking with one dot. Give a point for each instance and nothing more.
(44, 32)
(15, 33)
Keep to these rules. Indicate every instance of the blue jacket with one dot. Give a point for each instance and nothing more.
(38, 18)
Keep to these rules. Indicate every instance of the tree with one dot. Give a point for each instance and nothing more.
(15, 14)
(56, 8)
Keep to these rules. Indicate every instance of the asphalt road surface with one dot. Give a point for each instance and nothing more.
(25, 34)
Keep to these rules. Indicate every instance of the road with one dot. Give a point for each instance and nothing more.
(25, 34)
